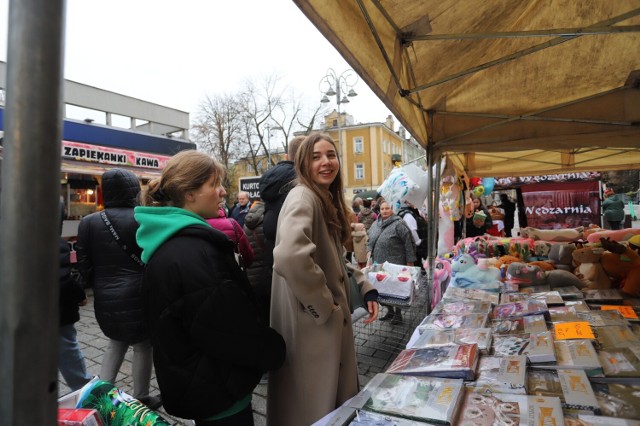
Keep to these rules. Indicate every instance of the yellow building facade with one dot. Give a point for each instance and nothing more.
(367, 151)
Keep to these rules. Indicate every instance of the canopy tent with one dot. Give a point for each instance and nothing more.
(521, 87)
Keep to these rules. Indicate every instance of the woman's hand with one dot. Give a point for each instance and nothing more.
(373, 309)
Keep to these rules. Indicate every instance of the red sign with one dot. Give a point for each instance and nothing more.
(115, 156)
(561, 205)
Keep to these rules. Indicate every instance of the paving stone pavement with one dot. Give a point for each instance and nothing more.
(377, 345)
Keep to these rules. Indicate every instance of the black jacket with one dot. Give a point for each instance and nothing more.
(115, 277)
(275, 184)
(474, 231)
(71, 291)
(210, 347)
(253, 229)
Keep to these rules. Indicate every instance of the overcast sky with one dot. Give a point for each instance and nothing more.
(174, 53)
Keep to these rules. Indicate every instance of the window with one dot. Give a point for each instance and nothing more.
(359, 171)
(358, 145)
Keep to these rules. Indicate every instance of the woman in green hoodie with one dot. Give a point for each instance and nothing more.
(210, 347)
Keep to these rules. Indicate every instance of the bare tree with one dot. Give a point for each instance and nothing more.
(236, 126)
(217, 126)
(291, 116)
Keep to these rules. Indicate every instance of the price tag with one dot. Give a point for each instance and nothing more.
(626, 311)
(574, 330)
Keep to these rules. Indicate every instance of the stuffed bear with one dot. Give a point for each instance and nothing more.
(560, 256)
(589, 268)
(466, 274)
(506, 260)
(542, 264)
(541, 248)
(527, 275)
(623, 265)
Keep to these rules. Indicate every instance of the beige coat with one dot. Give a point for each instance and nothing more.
(309, 277)
(360, 239)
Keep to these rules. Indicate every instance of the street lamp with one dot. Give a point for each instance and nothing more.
(333, 84)
(269, 129)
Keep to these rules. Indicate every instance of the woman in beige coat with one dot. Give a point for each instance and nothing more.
(310, 291)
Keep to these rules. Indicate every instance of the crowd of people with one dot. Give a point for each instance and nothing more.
(217, 302)
(219, 299)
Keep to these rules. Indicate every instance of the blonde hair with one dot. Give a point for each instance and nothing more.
(294, 144)
(332, 201)
(186, 171)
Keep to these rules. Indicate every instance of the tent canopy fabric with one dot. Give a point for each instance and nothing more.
(504, 88)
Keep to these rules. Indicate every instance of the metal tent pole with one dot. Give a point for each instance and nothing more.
(29, 214)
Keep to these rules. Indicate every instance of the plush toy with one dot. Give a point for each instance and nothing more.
(557, 235)
(589, 268)
(623, 265)
(528, 275)
(541, 248)
(560, 256)
(506, 260)
(617, 235)
(590, 230)
(542, 264)
(446, 239)
(441, 278)
(466, 274)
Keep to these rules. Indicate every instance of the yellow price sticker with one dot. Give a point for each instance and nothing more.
(574, 330)
(626, 311)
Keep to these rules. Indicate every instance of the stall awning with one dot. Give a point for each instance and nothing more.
(520, 87)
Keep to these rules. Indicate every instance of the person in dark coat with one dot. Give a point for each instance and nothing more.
(240, 210)
(70, 359)
(390, 240)
(274, 186)
(477, 225)
(257, 272)
(115, 273)
(509, 208)
(613, 206)
(210, 346)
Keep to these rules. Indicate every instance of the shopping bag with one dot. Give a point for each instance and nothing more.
(117, 407)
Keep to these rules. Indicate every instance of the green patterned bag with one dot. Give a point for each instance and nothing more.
(116, 407)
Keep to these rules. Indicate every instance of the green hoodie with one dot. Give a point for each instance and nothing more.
(158, 224)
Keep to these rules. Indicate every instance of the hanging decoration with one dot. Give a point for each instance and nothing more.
(488, 184)
(405, 184)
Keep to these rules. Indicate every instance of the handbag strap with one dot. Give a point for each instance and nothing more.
(112, 230)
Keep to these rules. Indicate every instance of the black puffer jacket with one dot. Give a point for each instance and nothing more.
(210, 347)
(275, 184)
(259, 276)
(115, 277)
